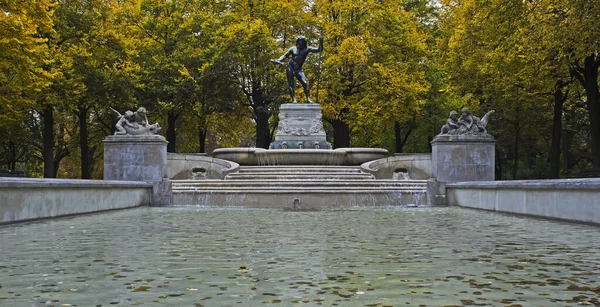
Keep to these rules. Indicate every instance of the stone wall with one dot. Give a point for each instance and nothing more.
(198, 166)
(569, 199)
(417, 166)
(23, 199)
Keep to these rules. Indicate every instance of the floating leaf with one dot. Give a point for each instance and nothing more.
(141, 289)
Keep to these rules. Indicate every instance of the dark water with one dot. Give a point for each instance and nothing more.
(253, 257)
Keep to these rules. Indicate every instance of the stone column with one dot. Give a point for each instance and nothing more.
(463, 157)
(139, 158)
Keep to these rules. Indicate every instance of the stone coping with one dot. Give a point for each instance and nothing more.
(136, 138)
(463, 138)
(413, 156)
(184, 156)
(299, 106)
(543, 184)
(364, 150)
(69, 183)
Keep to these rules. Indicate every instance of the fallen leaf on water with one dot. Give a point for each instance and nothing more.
(141, 289)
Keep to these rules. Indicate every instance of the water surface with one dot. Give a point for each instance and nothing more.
(257, 257)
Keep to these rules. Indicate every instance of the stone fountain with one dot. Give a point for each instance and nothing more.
(300, 140)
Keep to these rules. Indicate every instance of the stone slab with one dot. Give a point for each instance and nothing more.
(575, 200)
(135, 158)
(25, 199)
(463, 158)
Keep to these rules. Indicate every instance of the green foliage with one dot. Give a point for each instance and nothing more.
(24, 54)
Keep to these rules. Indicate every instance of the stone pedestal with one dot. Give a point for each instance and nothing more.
(458, 158)
(139, 158)
(300, 127)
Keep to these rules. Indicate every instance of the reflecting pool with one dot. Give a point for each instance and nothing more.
(190, 256)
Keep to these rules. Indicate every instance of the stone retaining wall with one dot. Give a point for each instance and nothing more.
(23, 199)
(566, 199)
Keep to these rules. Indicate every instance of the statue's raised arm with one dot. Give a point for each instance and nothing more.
(294, 66)
(320, 49)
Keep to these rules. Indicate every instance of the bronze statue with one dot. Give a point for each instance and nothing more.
(294, 66)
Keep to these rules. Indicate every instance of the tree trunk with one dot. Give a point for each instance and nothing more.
(201, 138)
(83, 144)
(400, 139)
(517, 140)
(567, 153)
(498, 170)
(62, 149)
(341, 133)
(171, 133)
(554, 157)
(48, 142)
(588, 77)
(263, 135)
(516, 157)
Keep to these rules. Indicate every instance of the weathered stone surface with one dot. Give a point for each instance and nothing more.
(162, 193)
(417, 166)
(31, 198)
(304, 200)
(139, 158)
(239, 155)
(458, 158)
(300, 157)
(135, 158)
(198, 166)
(567, 199)
(360, 155)
(300, 127)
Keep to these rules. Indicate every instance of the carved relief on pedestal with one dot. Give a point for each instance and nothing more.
(300, 126)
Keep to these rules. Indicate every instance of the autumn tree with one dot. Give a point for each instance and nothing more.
(249, 38)
(167, 36)
(24, 57)
(372, 69)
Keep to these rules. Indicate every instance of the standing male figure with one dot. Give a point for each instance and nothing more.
(294, 66)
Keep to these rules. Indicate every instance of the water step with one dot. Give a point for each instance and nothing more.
(299, 187)
(298, 183)
(295, 176)
(294, 199)
(299, 169)
(304, 189)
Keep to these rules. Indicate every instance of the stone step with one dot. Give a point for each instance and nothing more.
(299, 187)
(299, 169)
(299, 200)
(307, 190)
(299, 175)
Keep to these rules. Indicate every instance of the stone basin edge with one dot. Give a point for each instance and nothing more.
(558, 184)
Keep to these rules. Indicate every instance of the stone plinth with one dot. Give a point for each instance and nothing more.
(300, 127)
(457, 158)
(135, 158)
